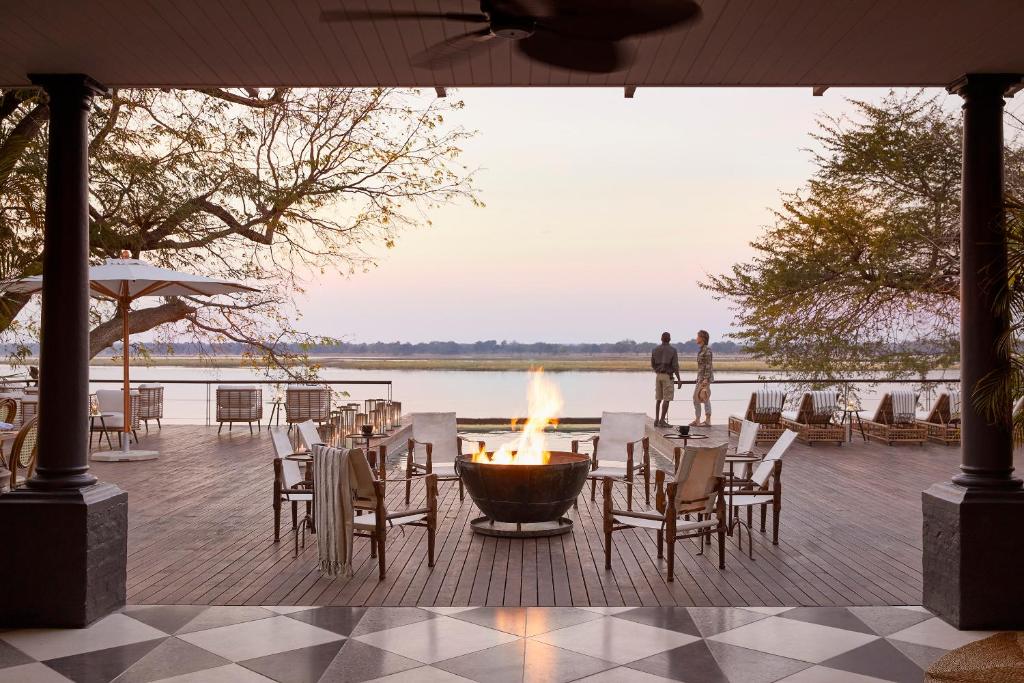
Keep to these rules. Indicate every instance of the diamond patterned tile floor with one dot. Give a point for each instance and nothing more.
(181, 643)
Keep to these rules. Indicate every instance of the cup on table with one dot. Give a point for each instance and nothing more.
(367, 430)
(684, 430)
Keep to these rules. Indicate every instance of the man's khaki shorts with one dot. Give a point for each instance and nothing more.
(664, 389)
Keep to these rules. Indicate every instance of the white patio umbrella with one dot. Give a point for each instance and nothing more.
(126, 279)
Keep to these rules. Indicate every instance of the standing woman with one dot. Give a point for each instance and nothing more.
(705, 376)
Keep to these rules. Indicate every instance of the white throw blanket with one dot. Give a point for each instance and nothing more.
(769, 401)
(332, 493)
(824, 402)
(904, 406)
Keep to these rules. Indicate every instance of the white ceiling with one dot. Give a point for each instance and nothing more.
(282, 42)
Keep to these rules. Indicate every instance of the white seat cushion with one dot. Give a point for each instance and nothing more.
(614, 472)
(682, 525)
(442, 469)
(368, 522)
(297, 496)
(110, 421)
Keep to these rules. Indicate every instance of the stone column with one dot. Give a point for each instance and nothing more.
(972, 524)
(66, 534)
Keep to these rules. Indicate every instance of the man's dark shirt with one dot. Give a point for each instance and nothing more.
(665, 360)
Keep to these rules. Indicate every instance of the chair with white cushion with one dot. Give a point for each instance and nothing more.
(290, 486)
(615, 451)
(239, 403)
(764, 487)
(689, 506)
(433, 448)
(111, 404)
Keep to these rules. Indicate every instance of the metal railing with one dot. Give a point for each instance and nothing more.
(210, 385)
(191, 404)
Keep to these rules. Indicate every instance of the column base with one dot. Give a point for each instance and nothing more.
(973, 555)
(66, 555)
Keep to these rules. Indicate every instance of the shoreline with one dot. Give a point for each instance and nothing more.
(457, 363)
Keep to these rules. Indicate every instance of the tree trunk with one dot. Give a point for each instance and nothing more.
(105, 334)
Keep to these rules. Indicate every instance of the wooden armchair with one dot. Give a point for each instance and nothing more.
(290, 486)
(373, 519)
(696, 490)
(433, 448)
(23, 453)
(615, 445)
(763, 488)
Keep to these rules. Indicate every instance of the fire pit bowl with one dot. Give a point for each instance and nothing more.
(525, 500)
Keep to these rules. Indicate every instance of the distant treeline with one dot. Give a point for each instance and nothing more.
(490, 347)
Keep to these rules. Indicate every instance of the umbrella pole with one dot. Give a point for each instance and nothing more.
(127, 384)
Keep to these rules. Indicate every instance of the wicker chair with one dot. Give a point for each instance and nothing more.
(23, 453)
(764, 408)
(151, 404)
(943, 421)
(310, 402)
(239, 403)
(29, 408)
(813, 419)
(8, 410)
(111, 404)
(891, 425)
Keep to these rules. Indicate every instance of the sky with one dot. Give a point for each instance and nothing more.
(602, 216)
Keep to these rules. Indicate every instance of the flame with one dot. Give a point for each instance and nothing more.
(544, 404)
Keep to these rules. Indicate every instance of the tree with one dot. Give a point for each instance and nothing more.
(861, 268)
(267, 186)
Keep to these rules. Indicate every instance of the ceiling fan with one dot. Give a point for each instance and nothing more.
(578, 35)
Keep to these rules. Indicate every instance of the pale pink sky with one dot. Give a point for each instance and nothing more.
(602, 214)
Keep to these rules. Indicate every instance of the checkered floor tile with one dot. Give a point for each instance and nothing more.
(182, 643)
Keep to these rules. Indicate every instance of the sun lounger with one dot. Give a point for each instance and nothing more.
(895, 419)
(765, 408)
(942, 422)
(813, 420)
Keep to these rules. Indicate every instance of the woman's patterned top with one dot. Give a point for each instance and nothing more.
(705, 372)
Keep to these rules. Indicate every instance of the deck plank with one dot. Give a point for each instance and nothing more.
(201, 532)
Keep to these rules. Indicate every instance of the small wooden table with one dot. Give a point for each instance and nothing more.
(849, 415)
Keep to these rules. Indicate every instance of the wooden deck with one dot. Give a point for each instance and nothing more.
(201, 532)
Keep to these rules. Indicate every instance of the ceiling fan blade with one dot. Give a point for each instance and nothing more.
(455, 49)
(382, 15)
(617, 19)
(590, 56)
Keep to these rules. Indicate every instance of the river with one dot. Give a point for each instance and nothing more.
(469, 394)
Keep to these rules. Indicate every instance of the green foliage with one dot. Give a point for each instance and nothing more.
(271, 187)
(860, 269)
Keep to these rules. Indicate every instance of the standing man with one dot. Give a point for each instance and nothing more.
(664, 362)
